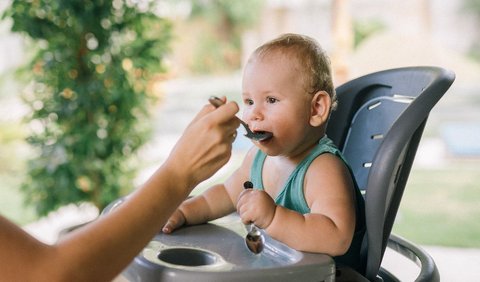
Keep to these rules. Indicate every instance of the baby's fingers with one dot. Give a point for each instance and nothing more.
(168, 227)
(244, 207)
(175, 221)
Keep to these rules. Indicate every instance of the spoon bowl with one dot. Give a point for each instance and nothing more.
(255, 240)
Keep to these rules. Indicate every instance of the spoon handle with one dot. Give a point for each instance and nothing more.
(248, 185)
(217, 102)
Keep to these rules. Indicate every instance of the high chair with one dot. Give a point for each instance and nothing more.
(378, 125)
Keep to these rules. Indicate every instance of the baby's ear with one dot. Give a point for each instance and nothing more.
(321, 103)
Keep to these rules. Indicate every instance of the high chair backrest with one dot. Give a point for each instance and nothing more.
(378, 124)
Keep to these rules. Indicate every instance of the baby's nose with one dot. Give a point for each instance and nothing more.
(255, 113)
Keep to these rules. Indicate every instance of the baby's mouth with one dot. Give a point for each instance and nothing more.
(266, 135)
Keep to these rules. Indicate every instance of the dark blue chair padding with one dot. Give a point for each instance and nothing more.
(370, 124)
(378, 124)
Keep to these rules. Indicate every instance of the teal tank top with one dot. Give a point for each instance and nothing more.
(291, 196)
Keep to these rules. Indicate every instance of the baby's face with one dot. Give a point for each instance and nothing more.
(275, 101)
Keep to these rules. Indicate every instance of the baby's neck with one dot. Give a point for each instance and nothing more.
(303, 150)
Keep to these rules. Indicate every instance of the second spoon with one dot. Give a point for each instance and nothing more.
(254, 240)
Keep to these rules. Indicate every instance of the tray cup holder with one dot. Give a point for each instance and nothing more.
(187, 257)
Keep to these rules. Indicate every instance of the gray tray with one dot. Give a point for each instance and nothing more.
(217, 252)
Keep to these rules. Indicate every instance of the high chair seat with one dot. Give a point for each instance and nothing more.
(378, 125)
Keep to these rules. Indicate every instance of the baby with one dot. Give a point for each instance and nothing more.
(304, 192)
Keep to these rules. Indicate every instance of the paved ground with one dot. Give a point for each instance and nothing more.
(182, 100)
(454, 264)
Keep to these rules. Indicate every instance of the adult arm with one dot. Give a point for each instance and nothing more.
(102, 249)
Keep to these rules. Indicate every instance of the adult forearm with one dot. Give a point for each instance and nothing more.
(115, 239)
(95, 252)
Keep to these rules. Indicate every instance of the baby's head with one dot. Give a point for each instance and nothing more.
(311, 61)
(288, 91)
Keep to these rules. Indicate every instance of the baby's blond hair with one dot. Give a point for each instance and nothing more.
(312, 61)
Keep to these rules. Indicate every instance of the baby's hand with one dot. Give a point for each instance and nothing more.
(256, 206)
(176, 220)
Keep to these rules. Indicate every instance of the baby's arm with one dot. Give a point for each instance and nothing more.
(219, 200)
(330, 225)
(213, 203)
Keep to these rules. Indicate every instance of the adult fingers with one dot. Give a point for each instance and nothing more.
(225, 115)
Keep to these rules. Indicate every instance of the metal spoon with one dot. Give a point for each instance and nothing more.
(254, 240)
(257, 136)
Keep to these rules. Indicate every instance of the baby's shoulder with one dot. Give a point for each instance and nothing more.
(326, 159)
(326, 166)
(248, 159)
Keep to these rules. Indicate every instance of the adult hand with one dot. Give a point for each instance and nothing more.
(256, 206)
(206, 144)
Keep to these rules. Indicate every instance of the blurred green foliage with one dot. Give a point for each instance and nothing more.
(364, 29)
(88, 77)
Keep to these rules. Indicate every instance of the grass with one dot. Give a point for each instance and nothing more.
(440, 206)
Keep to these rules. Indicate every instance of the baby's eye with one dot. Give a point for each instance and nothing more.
(272, 100)
(248, 102)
